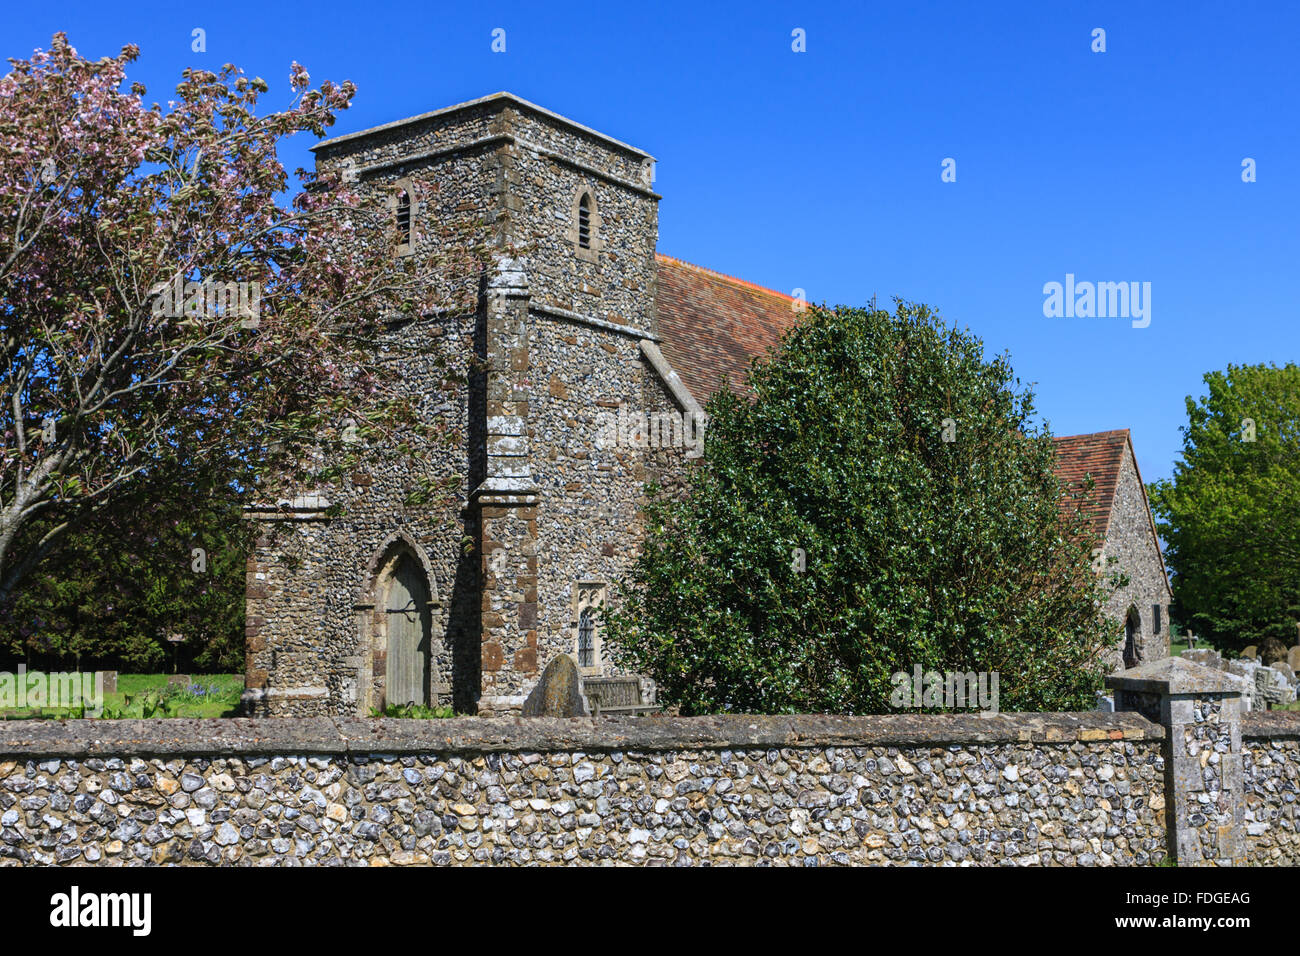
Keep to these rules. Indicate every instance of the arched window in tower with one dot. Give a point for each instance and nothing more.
(587, 637)
(584, 224)
(403, 218)
(584, 221)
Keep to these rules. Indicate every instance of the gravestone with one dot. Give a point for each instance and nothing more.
(1244, 669)
(1206, 656)
(110, 681)
(1272, 688)
(559, 692)
(1261, 686)
(1293, 658)
(178, 680)
(1271, 650)
(1249, 651)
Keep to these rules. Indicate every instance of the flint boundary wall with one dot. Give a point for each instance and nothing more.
(1019, 789)
(1177, 773)
(1271, 745)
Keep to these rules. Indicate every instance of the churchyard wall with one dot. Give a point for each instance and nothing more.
(1178, 773)
(1011, 789)
(1271, 748)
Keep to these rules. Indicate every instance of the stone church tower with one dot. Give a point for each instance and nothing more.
(379, 602)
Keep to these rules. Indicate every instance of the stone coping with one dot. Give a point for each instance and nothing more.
(1270, 723)
(1176, 677)
(322, 735)
(502, 98)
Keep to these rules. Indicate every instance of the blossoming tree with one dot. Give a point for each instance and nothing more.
(166, 303)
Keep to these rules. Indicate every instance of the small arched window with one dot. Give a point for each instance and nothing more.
(1132, 633)
(584, 225)
(584, 221)
(403, 218)
(587, 638)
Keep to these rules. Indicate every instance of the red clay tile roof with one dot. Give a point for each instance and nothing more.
(1101, 455)
(711, 324)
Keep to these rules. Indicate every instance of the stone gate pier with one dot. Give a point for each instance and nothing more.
(1200, 709)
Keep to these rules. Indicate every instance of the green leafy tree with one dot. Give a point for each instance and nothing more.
(118, 586)
(916, 549)
(1230, 516)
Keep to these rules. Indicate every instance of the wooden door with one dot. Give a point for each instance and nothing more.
(407, 610)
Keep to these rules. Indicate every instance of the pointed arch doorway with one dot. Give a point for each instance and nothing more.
(400, 654)
(409, 631)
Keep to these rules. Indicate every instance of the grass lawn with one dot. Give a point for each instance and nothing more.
(206, 695)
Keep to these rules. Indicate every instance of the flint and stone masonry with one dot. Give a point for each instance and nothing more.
(1271, 769)
(1124, 535)
(1200, 709)
(960, 790)
(1179, 774)
(1131, 540)
(354, 598)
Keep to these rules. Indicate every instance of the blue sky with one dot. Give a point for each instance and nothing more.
(821, 170)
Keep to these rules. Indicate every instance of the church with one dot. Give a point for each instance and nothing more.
(586, 365)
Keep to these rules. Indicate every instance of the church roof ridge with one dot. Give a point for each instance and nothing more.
(503, 96)
(734, 280)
